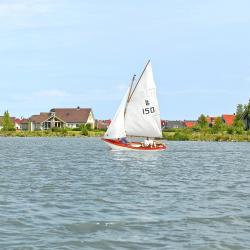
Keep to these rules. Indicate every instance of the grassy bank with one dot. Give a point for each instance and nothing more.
(50, 133)
(189, 135)
(173, 135)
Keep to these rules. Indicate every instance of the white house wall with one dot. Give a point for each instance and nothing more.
(17, 126)
(73, 125)
(91, 120)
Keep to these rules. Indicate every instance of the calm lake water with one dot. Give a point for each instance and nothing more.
(74, 193)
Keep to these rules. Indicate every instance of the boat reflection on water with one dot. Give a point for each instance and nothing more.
(137, 157)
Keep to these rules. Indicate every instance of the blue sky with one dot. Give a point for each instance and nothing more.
(68, 53)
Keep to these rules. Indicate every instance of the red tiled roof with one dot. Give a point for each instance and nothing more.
(189, 124)
(24, 120)
(17, 120)
(70, 115)
(74, 115)
(228, 119)
(107, 122)
(102, 124)
(39, 118)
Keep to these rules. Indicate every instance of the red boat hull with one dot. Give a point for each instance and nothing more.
(117, 145)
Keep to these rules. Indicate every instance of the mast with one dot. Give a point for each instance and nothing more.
(138, 80)
(130, 89)
(133, 79)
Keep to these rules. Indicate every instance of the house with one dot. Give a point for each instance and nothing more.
(24, 124)
(17, 123)
(163, 124)
(60, 118)
(228, 119)
(211, 120)
(102, 124)
(174, 124)
(190, 124)
(38, 122)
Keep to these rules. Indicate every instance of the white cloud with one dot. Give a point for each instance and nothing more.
(51, 93)
(24, 13)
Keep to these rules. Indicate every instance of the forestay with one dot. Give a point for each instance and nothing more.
(142, 117)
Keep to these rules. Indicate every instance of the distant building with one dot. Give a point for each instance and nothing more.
(17, 123)
(163, 124)
(102, 124)
(174, 124)
(190, 124)
(211, 120)
(59, 118)
(228, 119)
(24, 124)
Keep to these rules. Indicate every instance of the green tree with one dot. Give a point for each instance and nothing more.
(88, 127)
(202, 121)
(239, 111)
(238, 126)
(84, 130)
(248, 109)
(218, 125)
(231, 130)
(7, 124)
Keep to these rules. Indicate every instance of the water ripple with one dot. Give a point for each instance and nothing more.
(74, 193)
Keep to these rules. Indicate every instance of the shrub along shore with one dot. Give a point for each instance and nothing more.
(170, 135)
(51, 133)
(189, 135)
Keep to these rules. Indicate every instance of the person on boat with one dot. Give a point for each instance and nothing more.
(149, 143)
(146, 142)
(123, 140)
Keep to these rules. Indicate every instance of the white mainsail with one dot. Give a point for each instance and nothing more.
(142, 117)
(138, 113)
(116, 128)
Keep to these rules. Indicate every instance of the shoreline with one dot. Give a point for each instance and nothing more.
(169, 136)
(46, 133)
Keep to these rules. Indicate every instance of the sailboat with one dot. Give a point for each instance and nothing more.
(138, 116)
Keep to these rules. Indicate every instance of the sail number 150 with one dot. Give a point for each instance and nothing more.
(148, 110)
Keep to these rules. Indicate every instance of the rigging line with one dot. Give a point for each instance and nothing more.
(139, 80)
